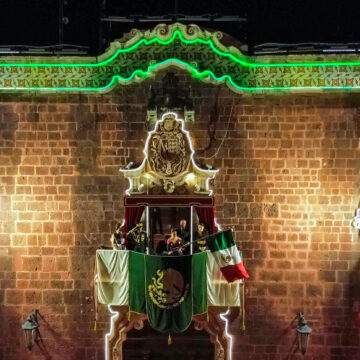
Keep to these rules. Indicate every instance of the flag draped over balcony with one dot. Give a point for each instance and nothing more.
(168, 289)
(162, 287)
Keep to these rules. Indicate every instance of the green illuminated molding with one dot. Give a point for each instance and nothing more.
(140, 54)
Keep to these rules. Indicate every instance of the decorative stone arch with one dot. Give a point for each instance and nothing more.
(203, 54)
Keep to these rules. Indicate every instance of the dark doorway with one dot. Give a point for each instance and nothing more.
(148, 344)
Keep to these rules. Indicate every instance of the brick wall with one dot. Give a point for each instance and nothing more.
(288, 184)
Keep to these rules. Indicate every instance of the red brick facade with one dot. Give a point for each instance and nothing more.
(288, 183)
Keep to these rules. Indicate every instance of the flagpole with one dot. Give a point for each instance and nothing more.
(241, 290)
(243, 305)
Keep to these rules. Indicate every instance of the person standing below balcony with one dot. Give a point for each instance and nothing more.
(200, 234)
(184, 235)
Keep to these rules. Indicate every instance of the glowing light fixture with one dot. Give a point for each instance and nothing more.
(356, 221)
(217, 224)
(177, 35)
(183, 65)
(190, 177)
(114, 316)
(31, 330)
(303, 331)
(222, 316)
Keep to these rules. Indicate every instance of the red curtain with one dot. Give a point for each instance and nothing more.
(206, 215)
(132, 216)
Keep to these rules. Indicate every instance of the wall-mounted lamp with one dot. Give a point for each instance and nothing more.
(31, 329)
(303, 332)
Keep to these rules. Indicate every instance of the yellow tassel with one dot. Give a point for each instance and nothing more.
(243, 326)
(207, 317)
(129, 316)
(169, 340)
(95, 325)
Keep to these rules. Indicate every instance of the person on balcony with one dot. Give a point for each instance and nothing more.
(200, 234)
(174, 244)
(118, 240)
(184, 234)
(136, 239)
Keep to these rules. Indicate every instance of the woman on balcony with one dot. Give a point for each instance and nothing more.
(199, 236)
(174, 244)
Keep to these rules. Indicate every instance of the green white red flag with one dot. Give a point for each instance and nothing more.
(227, 256)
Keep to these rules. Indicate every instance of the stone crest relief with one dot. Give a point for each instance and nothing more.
(168, 150)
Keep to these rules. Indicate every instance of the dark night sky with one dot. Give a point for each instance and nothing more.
(35, 22)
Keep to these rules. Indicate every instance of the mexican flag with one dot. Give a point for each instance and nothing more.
(162, 287)
(169, 289)
(170, 299)
(226, 255)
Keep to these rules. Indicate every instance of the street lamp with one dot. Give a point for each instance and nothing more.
(303, 331)
(31, 329)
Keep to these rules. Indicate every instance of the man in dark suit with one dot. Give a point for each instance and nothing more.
(184, 235)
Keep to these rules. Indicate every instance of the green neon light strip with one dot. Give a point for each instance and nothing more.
(178, 34)
(194, 72)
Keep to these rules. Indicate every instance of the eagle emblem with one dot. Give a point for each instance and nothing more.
(226, 258)
(168, 289)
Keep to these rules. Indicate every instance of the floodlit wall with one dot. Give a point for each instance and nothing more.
(288, 183)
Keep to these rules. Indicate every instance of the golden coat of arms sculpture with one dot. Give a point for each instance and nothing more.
(169, 152)
(168, 166)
